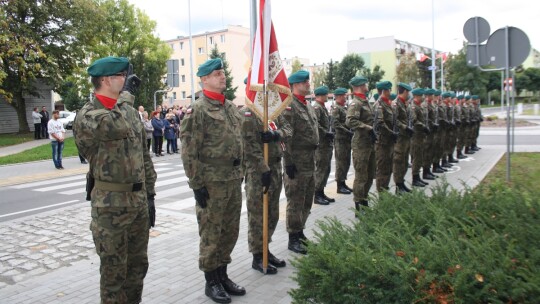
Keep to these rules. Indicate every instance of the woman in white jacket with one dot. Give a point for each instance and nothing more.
(36, 117)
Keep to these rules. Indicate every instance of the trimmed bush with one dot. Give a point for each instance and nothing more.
(475, 247)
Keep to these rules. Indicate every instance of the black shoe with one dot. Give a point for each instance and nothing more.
(230, 287)
(347, 187)
(295, 245)
(213, 288)
(272, 259)
(451, 159)
(331, 200)
(461, 156)
(477, 147)
(468, 151)
(319, 200)
(84, 162)
(473, 148)
(257, 264)
(437, 169)
(428, 176)
(417, 182)
(342, 188)
(401, 188)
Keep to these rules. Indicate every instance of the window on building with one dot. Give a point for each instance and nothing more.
(211, 40)
(174, 95)
(183, 78)
(181, 45)
(222, 38)
(223, 56)
(183, 94)
(201, 50)
(182, 62)
(172, 46)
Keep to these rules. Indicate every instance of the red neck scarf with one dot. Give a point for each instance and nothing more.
(216, 96)
(417, 102)
(107, 102)
(404, 101)
(386, 100)
(360, 95)
(301, 98)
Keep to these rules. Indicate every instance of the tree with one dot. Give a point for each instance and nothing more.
(229, 90)
(296, 66)
(534, 76)
(319, 76)
(41, 42)
(349, 67)
(330, 79)
(407, 70)
(424, 79)
(464, 78)
(373, 76)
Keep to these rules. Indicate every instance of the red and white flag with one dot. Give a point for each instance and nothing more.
(267, 67)
(422, 57)
(443, 56)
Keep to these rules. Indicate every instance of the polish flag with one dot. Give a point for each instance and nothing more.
(443, 56)
(422, 57)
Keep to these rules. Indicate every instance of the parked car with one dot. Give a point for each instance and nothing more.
(67, 119)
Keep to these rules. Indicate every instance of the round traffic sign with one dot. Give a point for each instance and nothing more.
(469, 29)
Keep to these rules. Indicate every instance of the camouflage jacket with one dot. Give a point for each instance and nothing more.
(430, 108)
(305, 136)
(212, 144)
(457, 112)
(253, 145)
(323, 118)
(465, 114)
(114, 142)
(385, 121)
(360, 120)
(418, 118)
(442, 114)
(339, 115)
(402, 116)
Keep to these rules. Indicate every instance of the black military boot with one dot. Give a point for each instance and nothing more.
(295, 245)
(426, 174)
(231, 287)
(443, 161)
(417, 182)
(401, 188)
(330, 200)
(477, 148)
(451, 159)
(437, 168)
(347, 187)
(357, 207)
(468, 151)
(319, 199)
(342, 188)
(213, 288)
(257, 264)
(276, 262)
(303, 239)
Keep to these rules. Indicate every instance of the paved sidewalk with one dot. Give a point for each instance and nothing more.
(50, 258)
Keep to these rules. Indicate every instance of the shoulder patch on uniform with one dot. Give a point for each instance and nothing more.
(288, 108)
(247, 114)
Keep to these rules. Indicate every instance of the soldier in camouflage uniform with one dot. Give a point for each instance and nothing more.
(428, 142)
(421, 129)
(323, 155)
(212, 155)
(109, 133)
(453, 118)
(445, 132)
(360, 121)
(387, 135)
(299, 160)
(440, 133)
(463, 136)
(261, 177)
(403, 144)
(342, 141)
(478, 116)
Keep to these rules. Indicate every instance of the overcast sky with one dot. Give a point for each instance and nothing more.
(319, 30)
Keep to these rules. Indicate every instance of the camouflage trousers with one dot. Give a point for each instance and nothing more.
(384, 154)
(219, 223)
(437, 146)
(461, 138)
(427, 156)
(343, 159)
(417, 152)
(400, 162)
(476, 133)
(300, 192)
(254, 198)
(364, 172)
(323, 158)
(121, 239)
(449, 142)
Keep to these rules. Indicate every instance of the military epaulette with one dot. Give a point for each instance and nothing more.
(247, 114)
(288, 108)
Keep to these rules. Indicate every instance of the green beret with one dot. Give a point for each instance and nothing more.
(405, 86)
(321, 91)
(460, 97)
(418, 92)
(108, 66)
(384, 85)
(393, 96)
(209, 66)
(446, 94)
(467, 97)
(437, 93)
(299, 76)
(357, 81)
(429, 91)
(376, 96)
(475, 97)
(453, 95)
(245, 80)
(340, 91)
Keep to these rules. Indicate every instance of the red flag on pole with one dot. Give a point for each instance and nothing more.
(422, 57)
(267, 66)
(443, 56)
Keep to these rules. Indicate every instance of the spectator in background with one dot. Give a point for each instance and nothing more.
(149, 129)
(44, 121)
(141, 111)
(56, 134)
(164, 111)
(36, 118)
(159, 128)
(170, 133)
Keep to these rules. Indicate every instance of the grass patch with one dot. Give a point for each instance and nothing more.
(14, 139)
(529, 112)
(40, 153)
(525, 173)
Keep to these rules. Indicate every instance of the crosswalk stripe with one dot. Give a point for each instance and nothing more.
(39, 208)
(62, 186)
(49, 181)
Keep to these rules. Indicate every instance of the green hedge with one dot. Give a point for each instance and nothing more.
(478, 247)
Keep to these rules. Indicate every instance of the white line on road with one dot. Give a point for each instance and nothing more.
(39, 208)
(50, 181)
